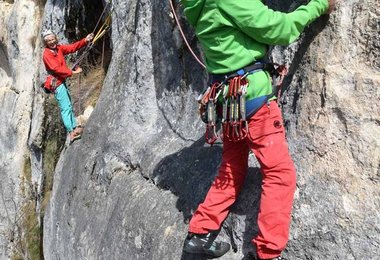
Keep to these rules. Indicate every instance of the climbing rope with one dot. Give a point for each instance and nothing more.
(101, 32)
(79, 93)
(104, 41)
(103, 29)
(183, 35)
(100, 18)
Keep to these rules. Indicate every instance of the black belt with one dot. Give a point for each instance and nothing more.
(248, 69)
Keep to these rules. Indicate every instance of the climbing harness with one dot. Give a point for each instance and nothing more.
(49, 85)
(224, 106)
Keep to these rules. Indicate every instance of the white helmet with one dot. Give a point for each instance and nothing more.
(46, 33)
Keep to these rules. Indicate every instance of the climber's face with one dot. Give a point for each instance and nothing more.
(51, 41)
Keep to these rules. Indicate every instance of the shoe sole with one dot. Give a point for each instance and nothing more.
(203, 252)
(75, 138)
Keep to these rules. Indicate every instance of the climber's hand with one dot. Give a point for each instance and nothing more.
(89, 37)
(77, 70)
(332, 4)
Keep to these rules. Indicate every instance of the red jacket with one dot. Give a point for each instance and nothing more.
(55, 64)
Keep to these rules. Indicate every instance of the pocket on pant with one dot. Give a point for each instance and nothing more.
(267, 121)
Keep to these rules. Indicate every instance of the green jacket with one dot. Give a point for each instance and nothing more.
(235, 33)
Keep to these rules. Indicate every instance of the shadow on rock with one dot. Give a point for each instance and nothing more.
(188, 174)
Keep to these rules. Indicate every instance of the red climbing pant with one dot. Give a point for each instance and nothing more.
(266, 139)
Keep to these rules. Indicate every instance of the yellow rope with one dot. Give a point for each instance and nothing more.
(103, 29)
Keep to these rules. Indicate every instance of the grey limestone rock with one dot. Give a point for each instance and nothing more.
(142, 165)
(128, 188)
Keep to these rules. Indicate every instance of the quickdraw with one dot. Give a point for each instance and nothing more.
(208, 111)
(234, 121)
(232, 110)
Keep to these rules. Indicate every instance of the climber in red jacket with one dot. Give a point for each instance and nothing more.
(55, 64)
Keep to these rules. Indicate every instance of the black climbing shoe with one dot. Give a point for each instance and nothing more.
(205, 244)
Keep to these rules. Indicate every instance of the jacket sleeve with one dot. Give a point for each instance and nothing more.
(53, 67)
(70, 48)
(272, 27)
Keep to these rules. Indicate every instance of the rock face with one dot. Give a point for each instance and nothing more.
(18, 38)
(334, 130)
(127, 189)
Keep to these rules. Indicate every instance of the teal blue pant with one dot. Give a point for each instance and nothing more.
(63, 98)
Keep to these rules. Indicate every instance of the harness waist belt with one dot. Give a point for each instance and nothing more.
(250, 68)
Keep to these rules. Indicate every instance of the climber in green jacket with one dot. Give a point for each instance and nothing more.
(234, 34)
